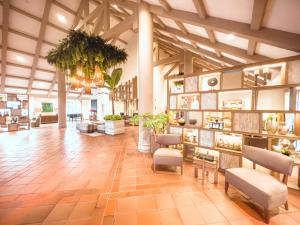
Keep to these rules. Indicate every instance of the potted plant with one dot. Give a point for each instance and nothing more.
(114, 124)
(157, 124)
(112, 83)
(134, 121)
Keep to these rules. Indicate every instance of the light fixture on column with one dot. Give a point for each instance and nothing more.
(266, 74)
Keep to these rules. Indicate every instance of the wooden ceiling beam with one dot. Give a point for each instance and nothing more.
(282, 39)
(52, 85)
(28, 67)
(93, 15)
(168, 60)
(39, 42)
(199, 5)
(258, 12)
(120, 27)
(171, 69)
(5, 15)
(219, 46)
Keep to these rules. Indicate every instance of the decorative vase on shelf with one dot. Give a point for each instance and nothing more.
(271, 126)
(282, 129)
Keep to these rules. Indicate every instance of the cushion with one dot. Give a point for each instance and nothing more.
(168, 152)
(263, 188)
(167, 156)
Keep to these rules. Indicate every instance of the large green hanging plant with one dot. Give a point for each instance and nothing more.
(86, 51)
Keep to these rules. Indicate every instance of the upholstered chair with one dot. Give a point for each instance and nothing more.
(165, 155)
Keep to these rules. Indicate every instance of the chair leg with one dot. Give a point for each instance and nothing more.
(267, 216)
(286, 205)
(226, 187)
(154, 168)
(181, 170)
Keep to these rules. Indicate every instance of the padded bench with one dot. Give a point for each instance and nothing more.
(261, 187)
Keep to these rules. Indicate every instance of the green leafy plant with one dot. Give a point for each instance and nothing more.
(112, 83)
(156, 123)
(178, 83)
(134, 120)
(113, 117)
(87, 51)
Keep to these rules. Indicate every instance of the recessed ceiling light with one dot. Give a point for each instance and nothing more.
(61, 18)
(230, 36)
(20, 58)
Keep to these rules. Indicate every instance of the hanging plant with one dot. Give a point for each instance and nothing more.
(87, 52)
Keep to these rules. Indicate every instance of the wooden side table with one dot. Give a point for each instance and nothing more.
(206, 167)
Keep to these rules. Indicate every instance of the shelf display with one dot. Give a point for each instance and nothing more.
(188, 101)
(206, 138)
(175, 116)
(232, 79)
(194, 118)
(217, 120)
(265, 75)
(235, 100)
(14, 112)
(173, 102)
(190, 136)
(246, 122)
(293, 72)
(231, 107)
(278, 123)
(191, 84)
(210, 82)
(229, 141)
(273, 99)
(209, 101)
(177, 86)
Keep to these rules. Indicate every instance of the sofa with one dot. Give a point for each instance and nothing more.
(262, 188)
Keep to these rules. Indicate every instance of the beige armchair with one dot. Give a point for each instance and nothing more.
(165, 155)
(261, 187)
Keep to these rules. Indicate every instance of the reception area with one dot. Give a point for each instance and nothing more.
(150, 112)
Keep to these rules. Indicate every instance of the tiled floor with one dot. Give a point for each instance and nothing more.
(59, 177)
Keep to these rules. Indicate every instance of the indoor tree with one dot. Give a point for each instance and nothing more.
(112, 83)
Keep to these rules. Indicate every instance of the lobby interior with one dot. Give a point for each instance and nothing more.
(149, 112)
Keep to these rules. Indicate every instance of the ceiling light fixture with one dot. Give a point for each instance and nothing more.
(20, 58)
(115, 6)
(61, 18)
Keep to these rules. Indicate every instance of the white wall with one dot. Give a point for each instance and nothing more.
(35, 106)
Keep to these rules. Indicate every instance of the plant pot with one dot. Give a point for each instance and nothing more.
(271, 126)
(114, 127)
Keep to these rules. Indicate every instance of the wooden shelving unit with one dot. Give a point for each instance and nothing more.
(247, 94)
(14, 112)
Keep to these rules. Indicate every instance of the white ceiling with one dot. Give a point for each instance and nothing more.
(24, 29)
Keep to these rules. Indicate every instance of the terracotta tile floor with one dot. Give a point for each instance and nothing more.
(59, 177)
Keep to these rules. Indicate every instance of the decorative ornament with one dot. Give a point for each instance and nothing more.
(212, 82)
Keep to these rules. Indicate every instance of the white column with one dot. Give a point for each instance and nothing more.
(145, 68)
(61, 82)
(188, 62)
